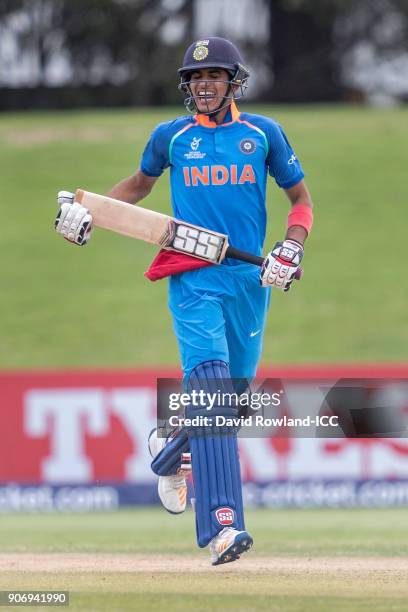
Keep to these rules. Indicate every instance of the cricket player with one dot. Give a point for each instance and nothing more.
(219, 159)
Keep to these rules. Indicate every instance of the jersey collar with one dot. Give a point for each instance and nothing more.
(231, 116)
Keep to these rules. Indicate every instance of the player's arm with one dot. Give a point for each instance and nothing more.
(299, 197)
(133, 188)
(282, 262)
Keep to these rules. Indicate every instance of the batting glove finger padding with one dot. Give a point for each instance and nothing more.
(74, 222)
(61, 217)
(281, 264)
(83, 233)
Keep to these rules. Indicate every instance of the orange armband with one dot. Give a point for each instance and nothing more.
(301, 214)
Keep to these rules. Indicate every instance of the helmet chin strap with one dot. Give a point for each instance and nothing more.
(223, 105)
(225, 101)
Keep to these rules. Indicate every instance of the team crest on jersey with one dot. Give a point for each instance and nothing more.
(247, 146)
(200, 53)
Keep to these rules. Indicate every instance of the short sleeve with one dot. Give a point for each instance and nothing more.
(282, 162)
(155, 158)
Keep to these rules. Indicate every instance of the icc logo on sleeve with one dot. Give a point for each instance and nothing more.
(247, 146)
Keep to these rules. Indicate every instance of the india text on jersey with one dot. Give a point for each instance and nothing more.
(218, 175)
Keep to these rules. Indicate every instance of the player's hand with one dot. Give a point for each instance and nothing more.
(73, 221)
(281, 265)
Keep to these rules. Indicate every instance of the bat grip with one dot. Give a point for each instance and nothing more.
(234, 253)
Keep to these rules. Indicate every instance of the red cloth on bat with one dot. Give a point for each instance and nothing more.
(167, 263)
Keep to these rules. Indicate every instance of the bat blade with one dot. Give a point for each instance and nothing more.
(154, 227)
(126, 219)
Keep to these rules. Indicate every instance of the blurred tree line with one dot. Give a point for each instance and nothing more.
(317, 46)
(64, 53)
(113, 52)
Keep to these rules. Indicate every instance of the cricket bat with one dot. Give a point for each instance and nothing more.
(162, 230)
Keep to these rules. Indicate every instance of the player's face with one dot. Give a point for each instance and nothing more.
(209, 86)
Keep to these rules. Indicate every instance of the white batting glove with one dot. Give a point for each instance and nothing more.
(73, 221)
(281, 265)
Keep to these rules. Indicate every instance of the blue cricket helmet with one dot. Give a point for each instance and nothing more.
(212, 52)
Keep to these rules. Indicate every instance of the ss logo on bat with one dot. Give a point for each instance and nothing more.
(198, 242)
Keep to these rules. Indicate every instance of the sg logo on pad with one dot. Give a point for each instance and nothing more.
(225, 516)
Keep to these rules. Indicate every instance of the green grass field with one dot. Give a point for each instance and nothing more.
(65, 306)
(147, 560)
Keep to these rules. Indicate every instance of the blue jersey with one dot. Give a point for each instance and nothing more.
(218, 173)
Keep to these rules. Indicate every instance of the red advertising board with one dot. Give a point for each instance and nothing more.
(88, 427)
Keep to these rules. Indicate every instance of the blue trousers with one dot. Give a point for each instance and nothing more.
(219, 313)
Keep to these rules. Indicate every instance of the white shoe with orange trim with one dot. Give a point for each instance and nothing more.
(172, 489)
(173, 493)
(228, 545)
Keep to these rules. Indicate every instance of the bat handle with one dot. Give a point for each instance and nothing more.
(234, 253)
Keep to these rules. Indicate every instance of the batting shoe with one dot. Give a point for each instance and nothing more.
(172, 489)
(228, 545)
